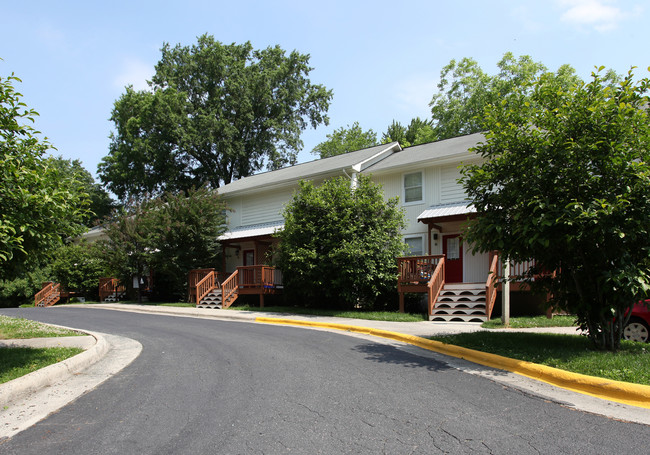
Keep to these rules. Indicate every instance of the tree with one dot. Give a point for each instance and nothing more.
(101, 204)
(344, 140)
(338, 246)
(170, 235)
(566, 183)
(214, 113)
(40, 207)
(465, 90)
(78, 267)
(418, 132)
(187, 226)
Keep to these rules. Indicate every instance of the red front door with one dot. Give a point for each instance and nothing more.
(249, 257)
(452, 248)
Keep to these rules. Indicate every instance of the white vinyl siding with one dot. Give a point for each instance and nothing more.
(450, 189)
(263, 208)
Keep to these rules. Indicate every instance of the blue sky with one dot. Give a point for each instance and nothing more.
(382, 59)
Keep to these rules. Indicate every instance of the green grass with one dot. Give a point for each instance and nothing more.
(17, 362)
(370, 315)
(567, 352)
(532, 321)
(24, 328)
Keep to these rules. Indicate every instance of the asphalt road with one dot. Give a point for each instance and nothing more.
(215, 387)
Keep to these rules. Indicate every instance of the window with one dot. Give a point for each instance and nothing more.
(413, 187)
(415, 245)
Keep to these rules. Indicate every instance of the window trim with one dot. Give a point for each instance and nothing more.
(421, 200)
(417, 236)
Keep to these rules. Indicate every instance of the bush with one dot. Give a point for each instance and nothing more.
(338, 246)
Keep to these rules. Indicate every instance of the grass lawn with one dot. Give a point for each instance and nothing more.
(17, 362)
(370, 315)
(567, 352)
(532, 321)
(24, 328)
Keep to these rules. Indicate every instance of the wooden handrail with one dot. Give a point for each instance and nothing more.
(43, 293)
(204, 286)
(417, 269)
(491, 284)
(109, 286)
(435, 285)
(228, 288)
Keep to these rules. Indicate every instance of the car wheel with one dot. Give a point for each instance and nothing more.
(637, 330)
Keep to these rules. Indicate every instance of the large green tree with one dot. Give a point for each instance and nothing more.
(214, 112)
(170, 235)
(40, 205)
(344, 140)
(565, 182)
(465, 90)
(338, 245)
(101, 204)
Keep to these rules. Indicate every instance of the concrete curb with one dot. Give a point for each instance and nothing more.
(618, 391)
(36, 380)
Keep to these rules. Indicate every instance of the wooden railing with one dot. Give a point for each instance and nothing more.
(417, 269)
(49, 295)
(204, 286)
(491, 284)
(110, 286)
(435, 285)
(259, 276)
(229, 289)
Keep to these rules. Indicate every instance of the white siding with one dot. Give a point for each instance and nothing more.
(263, 207)
(450, 189)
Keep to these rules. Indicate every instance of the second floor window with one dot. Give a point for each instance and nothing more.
(413, 187)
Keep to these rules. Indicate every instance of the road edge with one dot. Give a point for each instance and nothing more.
(621, 392)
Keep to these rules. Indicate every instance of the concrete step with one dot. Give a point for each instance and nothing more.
(458, 318)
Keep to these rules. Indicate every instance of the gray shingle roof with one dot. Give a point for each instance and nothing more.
(431, 151)
(312, 169)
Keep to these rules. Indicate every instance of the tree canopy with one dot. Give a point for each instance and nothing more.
(214, 112)
(338, 246)
(344, 140)
(417, 132)
(565, 182)
(170, 235)
(40, 206)
(465, 90)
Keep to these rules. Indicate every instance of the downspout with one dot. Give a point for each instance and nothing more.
(354, 179)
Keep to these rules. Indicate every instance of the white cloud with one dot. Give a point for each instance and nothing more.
(602, 15)
(134, 72)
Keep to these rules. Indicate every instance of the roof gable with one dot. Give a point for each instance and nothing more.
(356, 161)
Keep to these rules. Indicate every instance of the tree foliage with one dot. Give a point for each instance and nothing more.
(170, 235)
(417, 132)
(566, 182)
(101, 204)
(338, 245)
(344, 140)
(465, 90)
(78, 267)
(214, 113)
(40, 206)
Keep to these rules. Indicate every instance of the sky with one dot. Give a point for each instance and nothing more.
(382, 59)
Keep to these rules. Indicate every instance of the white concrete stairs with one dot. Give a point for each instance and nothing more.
(460, 302)
(214, 300)
(114, 297)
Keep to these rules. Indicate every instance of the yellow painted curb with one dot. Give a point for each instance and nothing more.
(619, 391)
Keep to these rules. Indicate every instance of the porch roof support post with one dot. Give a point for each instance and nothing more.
(505, 293)
(429, 229)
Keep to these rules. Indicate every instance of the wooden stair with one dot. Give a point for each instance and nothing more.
(460, 302)
(48, 296)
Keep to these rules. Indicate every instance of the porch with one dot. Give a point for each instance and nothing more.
(211, 289)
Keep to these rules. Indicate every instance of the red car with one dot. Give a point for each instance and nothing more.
(638, 327)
